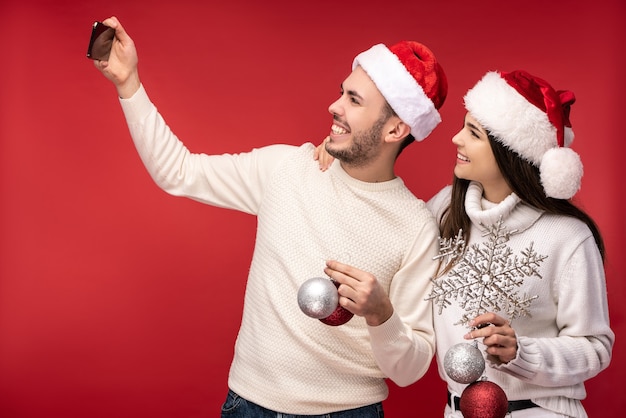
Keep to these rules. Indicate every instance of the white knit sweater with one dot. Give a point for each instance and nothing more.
(285, 360)
(567, 339)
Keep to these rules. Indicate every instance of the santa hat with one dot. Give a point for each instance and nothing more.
(411, 80)
(528, 116)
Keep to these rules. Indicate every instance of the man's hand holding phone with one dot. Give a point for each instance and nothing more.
(121, 64)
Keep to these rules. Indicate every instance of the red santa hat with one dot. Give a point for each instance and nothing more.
(528, 116)
(411, 80)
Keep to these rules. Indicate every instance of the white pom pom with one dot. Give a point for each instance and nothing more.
(561, 171)
(568, 136)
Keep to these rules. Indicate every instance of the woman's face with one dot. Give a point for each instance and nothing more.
(475, 160)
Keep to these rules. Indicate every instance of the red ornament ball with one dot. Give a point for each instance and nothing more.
(484, 399)
(339, 316)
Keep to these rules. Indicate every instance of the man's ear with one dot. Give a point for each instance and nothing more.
(397, 130)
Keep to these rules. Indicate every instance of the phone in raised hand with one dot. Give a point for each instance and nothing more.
(100, 42)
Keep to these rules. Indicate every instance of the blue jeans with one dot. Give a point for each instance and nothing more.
(237, 407)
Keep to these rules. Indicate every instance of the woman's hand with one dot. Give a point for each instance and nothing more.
(321, 155)
(497, 335)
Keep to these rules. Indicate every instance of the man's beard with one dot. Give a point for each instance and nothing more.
(364, 147)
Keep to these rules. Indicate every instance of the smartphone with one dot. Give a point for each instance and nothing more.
(100, 42)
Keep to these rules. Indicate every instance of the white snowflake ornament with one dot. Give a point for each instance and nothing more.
(485, 276)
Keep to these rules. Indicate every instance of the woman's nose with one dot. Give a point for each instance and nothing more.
(457, 139)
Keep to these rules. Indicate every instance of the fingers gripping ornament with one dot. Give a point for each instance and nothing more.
(339, 316)
(318, 298)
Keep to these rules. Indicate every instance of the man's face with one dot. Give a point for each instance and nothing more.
(358, 120)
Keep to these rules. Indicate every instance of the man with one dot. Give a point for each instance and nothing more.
(358, 212)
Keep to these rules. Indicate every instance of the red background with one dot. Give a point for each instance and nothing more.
(117, 300)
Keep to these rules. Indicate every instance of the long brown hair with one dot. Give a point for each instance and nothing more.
(523, 178)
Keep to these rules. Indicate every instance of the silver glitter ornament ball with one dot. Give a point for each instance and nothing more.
(464, 363)
(318, 297)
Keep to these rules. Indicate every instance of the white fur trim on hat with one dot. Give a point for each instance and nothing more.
(525, 129)
(403, 93)
(506, 114)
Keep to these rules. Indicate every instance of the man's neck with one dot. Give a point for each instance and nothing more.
(369, 173)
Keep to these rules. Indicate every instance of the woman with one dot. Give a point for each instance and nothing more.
(522, 267)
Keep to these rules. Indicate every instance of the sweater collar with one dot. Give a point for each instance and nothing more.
(338, 171)
(516, 215)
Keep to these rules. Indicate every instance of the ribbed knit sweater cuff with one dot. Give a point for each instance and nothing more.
(137, 107)
(527, 361)
(387, 332)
